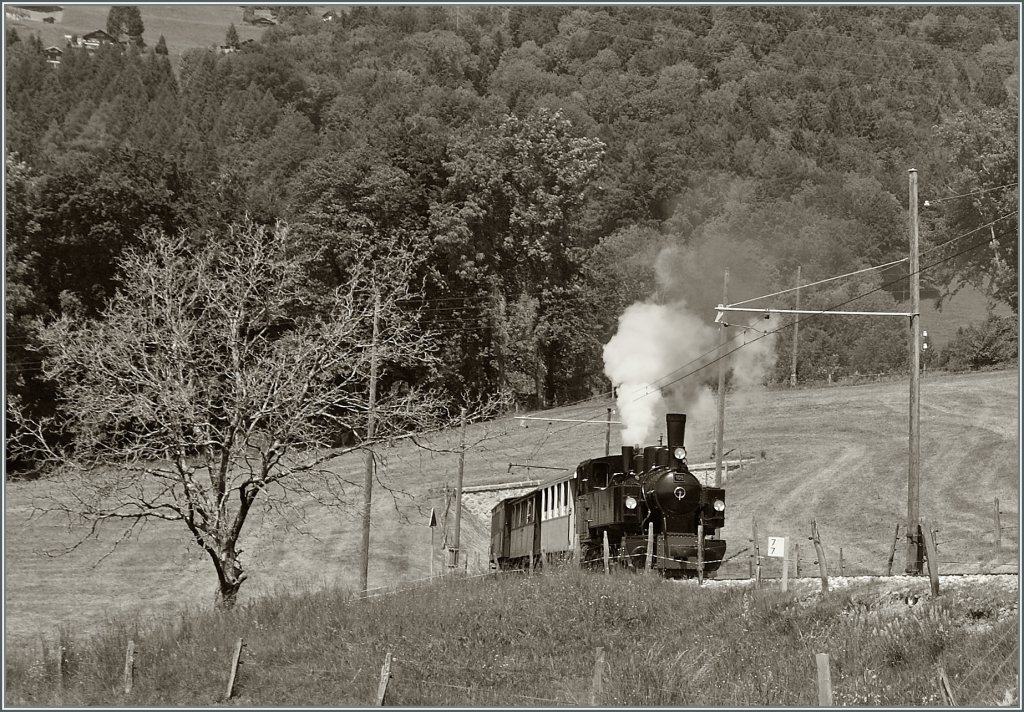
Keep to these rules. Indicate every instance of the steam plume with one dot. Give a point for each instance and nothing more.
(655, 359)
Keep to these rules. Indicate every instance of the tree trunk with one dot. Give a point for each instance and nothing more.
(229, 578)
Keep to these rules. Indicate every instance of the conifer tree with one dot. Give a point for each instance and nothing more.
(231, 39)
(161, 46)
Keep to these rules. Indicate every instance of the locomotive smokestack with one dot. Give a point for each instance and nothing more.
(676, 423)
(627, 458)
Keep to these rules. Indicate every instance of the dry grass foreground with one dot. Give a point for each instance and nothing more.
(531, 641)
(838, 455)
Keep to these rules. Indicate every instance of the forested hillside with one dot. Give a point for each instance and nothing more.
(542, 168)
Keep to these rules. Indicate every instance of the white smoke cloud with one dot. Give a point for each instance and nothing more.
(655, 359)
(752, 362)
(652, 342)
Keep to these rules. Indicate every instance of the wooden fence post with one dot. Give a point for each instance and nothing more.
(824, 680)
(385, 676)
(235, 662)
(129, 668)
(998, 528)
(892, 551)
(650, 546)
(947, 689)
(842, 567)
(757, 556)
(785, 572)
(700, 551)
(607, 554)
(597, 685)
(60, 671)
(796, 560)
(931, 557)
(820, 551)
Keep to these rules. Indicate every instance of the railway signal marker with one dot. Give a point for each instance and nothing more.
(777, 547)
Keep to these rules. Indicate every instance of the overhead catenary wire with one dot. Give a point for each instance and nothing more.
(825, 311)
(932, 201)
(821, 281)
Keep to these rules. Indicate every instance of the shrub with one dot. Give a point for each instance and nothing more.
(991, 343)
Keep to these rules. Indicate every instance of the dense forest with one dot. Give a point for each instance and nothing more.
(542, 167)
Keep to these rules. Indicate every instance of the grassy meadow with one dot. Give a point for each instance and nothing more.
(531, 641)
(837, 455)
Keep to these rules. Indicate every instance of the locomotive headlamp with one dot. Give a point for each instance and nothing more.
(630, 502)
(719, 505)
(679, 453)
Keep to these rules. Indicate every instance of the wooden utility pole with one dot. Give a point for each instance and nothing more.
(796, 331)
(720, 436)
(914, 545)
(364, 552)
(501, 329)
(458, 489)
(608, 435)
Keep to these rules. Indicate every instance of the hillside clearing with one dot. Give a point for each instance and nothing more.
(837, 455)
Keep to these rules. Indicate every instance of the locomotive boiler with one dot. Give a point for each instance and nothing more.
(630, 497)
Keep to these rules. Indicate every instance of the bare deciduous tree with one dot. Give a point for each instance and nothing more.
(215, 377)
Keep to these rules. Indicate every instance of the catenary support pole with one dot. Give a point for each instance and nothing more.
(796, 331)
(364, 551)
(915, 548)
(720, 435)
(458, 488)
(608, 435)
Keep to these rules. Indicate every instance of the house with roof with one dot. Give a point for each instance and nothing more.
(95, 39)
(53, 55)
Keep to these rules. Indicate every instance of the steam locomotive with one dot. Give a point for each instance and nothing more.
(619, 496)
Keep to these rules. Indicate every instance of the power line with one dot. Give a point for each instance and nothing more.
(973, 192)
(823, 281)
(833, 307)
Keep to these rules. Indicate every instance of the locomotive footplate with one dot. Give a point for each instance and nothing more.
(681, 554)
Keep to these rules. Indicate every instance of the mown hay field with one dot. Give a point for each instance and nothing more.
(837, 455)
